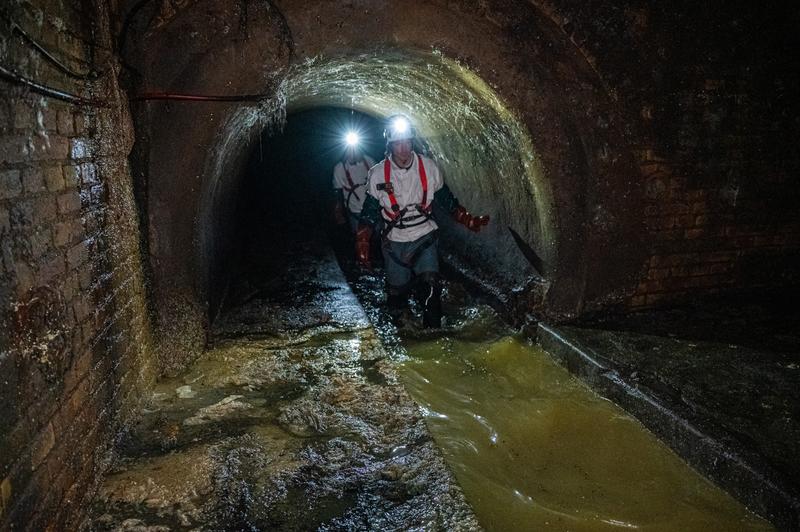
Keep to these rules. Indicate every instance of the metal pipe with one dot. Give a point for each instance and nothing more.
(58, 94)
(91, 75)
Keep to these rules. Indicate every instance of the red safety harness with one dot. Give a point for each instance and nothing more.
(397, 216)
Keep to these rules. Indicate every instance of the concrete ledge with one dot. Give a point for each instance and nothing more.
(715, 454)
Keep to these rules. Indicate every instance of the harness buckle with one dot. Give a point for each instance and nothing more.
(395, 207)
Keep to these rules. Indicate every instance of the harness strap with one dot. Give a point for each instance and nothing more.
(423, 179)
(387, 178)
(352, 190)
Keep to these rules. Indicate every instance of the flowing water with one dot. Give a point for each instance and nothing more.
(535, 449)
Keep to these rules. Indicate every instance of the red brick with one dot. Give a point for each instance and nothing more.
(41, 241)
(82, 309)
(47, 119)
(679, 208)
(70, 287)
(67, 43)
(54, 178)
(62, 234)
(638, 301)
(77, 255)
(5, 222)
(69, 202)
(10, 184)
(696, 195)
(718, 256)
(52, 147)
(650, 286)
(72, 176)
(81, 123)
(51, 269)
(66, 126)
(85, 278)
(25, 278)
(657, 274)
(670, 234)
(699, 207)
(700, 269)
(720, 267)
(33, 180)
(14, 149)
(35, 211)
(679, 271)
(23, 115)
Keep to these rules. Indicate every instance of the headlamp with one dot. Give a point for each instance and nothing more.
(351, 139)
(400, 125)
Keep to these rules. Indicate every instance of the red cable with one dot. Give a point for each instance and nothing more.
(198, 97)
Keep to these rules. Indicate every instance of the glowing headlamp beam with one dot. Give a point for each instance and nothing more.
(351, 138)
(400, 125)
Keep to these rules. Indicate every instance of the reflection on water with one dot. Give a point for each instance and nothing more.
(533, 448)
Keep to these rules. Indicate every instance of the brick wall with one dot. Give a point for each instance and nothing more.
(75, 333)
(709, 90)
(722, 189)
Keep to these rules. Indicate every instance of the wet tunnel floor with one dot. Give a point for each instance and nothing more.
(295, 419)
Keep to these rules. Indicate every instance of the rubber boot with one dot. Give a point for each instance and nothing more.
(396, 302)
(432, 311)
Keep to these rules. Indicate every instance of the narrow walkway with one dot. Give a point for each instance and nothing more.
(293, 420)
(718, 384)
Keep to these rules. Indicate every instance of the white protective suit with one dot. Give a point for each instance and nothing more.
(358, 177)
(407, 187)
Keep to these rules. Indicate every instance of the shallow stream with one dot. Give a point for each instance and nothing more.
(536, 449)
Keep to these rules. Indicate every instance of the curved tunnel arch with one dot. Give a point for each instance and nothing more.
(485, 152)
(523, 127)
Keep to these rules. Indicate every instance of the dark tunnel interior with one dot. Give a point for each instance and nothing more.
(188, 338)
(286, 192)
(287, 181)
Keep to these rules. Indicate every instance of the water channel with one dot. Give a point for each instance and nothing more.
(296, 418)
(535, 449)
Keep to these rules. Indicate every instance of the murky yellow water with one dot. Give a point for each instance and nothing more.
(535, 449)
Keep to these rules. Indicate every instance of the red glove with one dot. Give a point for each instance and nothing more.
(363, 235)
(473, 223)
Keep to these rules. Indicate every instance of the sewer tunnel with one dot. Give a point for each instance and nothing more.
(620, 154)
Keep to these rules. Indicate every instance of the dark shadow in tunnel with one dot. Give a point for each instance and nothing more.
(286, 193)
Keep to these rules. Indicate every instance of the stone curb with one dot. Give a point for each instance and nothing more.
(718, 456)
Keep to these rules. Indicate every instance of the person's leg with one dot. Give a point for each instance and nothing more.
(432, 309)
(426, 266)
(398, 277)
(353, 219)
